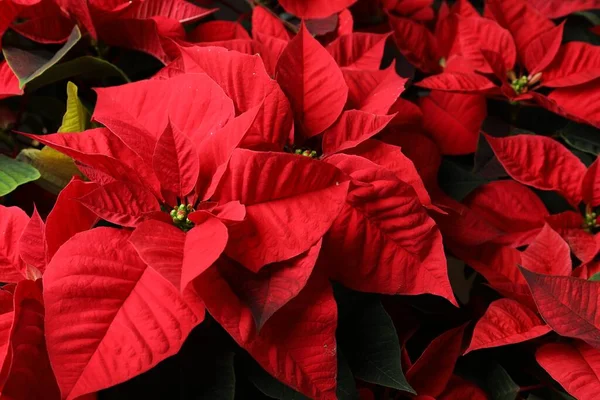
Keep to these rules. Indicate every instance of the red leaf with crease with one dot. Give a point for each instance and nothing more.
(273, 286)
(458, 82)
(215, 31)
(528, 212)
(383, 240)
(297, 345)
(533, 160)
(559, 8)
(416, 43)
(506, 322)
(574, 64)
(575, 366)
(279, 190)
(454, 120)
(569, 305)
(265, 23)
(590, 186)
(524, 22)
(542, 51)
(548, 254)
(361, 51)
(30, 375)
(176, 162)
(32, 243)
(137, 312)
(352, 129)
(580, 103)
(121, 203)
(430, 374)
(13, 222)
(374, 91)
(568, 224)
(315, 8)
(313, 83)
(392, 158)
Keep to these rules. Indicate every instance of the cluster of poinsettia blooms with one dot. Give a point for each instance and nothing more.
(256, 168)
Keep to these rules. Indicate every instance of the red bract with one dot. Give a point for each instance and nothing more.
(9, 83)
(315, 8)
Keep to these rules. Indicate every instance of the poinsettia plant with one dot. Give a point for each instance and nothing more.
(299, 199)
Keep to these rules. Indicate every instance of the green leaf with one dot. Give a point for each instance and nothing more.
(30, 64)
(501, 385)
(456, 181)
(76, 118)
(86, 67)
(346, 384)
(14, 173)
(368, 338)
(590, 16)
(270, 386)
(582, 137)
(595, 277)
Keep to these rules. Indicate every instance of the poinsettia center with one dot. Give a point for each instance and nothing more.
(306, 153)
(590, 220)
(523, 83)
(180, 218)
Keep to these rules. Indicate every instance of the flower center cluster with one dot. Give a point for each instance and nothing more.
(306, 153)
(180, 218)
(523, 83)
(590, 220)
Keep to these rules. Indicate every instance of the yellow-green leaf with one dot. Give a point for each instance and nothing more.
(76, 118)
(14, 173)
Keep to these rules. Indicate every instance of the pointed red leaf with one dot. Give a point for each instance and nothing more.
(374, 91)
(392, 158)
(179, 10)
(454, 120)
(590, 186)
(506, 322)
(569, 225)
(264, 22)
(13, 222)
(527, 211)
(297, 345)
(580, 103)
(430, 374)
(32, 244)
(569, 305)
(416, 43)
(69, 216)
(575, 366)
(542, 50)
(215, 31)
(361, 51)
(9, 83)
(460, 389)
(273, 286)
(135, 312)
(575, 63)
(121, 203)
(533, 160)
(458, 82)
(30, 375)
(524, 22)
(279, 190)
(548, 254)
(559, 8)
(315, 8)
(313, 83)
(176, 162)
(352, 129)
(383, 240)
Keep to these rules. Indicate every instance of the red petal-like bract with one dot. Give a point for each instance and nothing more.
(265, 23)
(430, 374)
(581, 102)
(506, 322)
(32, 244)
(569, 305)
(460, 389)
(315, 8)
(9, 83)
(540, 162)
(13, 222)
(313, 83)
(279, 190)
(559, 8)
(136, 313)
(30, 375)
(416, 43)
(458, 82)
(590, 186)
(383, 240)
(297, 345)
(574, 64)
(527, 211)
(548, 254)
(215, 31)
(353, 128)
(361, 51)
(454, 120)
(575, 366)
